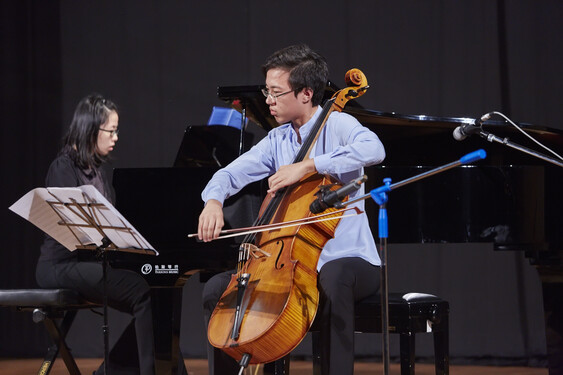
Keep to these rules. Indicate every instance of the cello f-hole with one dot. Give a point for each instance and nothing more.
(279, 266)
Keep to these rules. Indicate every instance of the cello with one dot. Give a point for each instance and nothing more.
(271, 300)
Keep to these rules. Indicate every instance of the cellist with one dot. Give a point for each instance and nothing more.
(349, 263)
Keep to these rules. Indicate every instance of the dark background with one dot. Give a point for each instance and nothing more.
(161, 62)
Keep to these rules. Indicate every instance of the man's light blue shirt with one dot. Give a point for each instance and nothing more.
(343, 148)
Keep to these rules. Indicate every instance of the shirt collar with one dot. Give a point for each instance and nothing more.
(306, 128)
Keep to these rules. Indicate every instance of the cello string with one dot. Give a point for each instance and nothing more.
(301, 154)
(280, 195)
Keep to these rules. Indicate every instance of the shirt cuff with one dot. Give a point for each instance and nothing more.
(322, 164)
(213, 195)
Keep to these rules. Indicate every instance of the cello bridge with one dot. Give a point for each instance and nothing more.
(255, 251)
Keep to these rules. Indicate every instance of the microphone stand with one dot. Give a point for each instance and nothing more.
(379, 195)
(505, 141)
(381, 199)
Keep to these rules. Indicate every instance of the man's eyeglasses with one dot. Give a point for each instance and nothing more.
(112, 132)
(274, 97)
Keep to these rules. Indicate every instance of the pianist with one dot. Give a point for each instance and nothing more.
(348, 265)
(91, 137)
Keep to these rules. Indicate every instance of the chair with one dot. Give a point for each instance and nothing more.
(409, 314)
(49, 306)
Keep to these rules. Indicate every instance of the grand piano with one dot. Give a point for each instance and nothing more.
(511, 200)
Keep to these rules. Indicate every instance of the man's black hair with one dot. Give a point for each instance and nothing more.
(306, 69)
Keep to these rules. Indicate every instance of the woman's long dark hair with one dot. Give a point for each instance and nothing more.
(81, 140)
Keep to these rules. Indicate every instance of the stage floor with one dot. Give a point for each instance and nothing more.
(199, 367)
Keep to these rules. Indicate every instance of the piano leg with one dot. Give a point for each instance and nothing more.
(167, 309)
(552, 287)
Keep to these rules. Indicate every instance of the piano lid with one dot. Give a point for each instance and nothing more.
(253, 100)
(417, 133)
(252, 96)
(209, 146)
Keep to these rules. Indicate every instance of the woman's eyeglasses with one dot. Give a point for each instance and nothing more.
(112, 132)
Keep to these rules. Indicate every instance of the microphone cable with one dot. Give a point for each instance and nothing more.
(524, 132)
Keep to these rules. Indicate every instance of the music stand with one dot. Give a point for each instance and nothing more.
(82, 218)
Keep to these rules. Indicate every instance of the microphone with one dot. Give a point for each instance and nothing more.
(333, 198)
(465, 130)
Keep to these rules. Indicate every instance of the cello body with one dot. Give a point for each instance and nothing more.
(281, 299)
(271, 301)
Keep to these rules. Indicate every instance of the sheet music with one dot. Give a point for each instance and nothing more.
(54, 210)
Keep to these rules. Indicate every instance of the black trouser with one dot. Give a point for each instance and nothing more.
(127, 291)
(341, 283)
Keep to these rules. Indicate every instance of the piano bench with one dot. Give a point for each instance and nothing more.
(409, 314)
(49, 306)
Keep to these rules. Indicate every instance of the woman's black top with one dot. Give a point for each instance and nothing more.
(63, 172)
